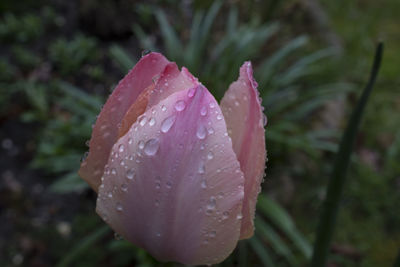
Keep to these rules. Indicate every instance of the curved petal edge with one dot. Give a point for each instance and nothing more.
(241, 106)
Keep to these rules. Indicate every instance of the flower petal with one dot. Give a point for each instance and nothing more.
(105, 131)
(173, 185)
(242, 109)
(170, 81)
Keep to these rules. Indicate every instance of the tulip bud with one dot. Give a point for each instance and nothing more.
(177, 174)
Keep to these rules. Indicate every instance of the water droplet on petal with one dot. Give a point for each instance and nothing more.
(119, 206)
(152, 121)
(201, 132)
(212, 202)
(110, 195)
(203, 111)
(142, 121)
(204, 184)
(124, 187)
(202, 168)
(210, 130)
(163, 108)
(167, 123)
(145, 52)
(113, 171)
(151, 147)
(130, 174)
(219, 117)
(210, 155)
(265, 120)
(117, 236)
(239, 216)
(191, 92)
(141, 144)
(130, 141)
(121, 148)
(180, 105)
(212, 105)
(212, 234)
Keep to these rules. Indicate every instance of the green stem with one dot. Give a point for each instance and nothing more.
(335, 188)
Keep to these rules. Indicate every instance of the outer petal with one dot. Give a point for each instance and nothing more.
(245, 121)
(177, 190)
(105, 131)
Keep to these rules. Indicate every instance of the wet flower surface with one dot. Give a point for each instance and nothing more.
(176, 173)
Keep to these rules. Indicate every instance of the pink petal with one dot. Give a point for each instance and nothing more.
(245, 121)
(105, 131)
(173, 185)
(170, 81)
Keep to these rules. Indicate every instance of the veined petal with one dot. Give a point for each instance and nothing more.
(174, 186)
(242, 110)
(105, 131)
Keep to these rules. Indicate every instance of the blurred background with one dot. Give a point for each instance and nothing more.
(59, 60)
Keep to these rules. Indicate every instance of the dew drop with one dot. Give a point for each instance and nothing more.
(119, 207)
(237, 103)
(239, 216)
(191, 92)
(163, 108)
(141, 144)
(212, 105)
(145, 52)
(219, 117)
(203, 111)
(130, 174)
(121, 148)
(117, 236)
(110, 195)
(142, 121)
(203, 184)
(151, 147)
(180, 105)
(212, 202)
(265, 120)
(225, 215)
(210, 130)
(167, 123)
(124, 187)
(130, 141)
(152, 121)
(212, 234)
(210, 155)
(201, 132)
(202, 168)
(113, 171)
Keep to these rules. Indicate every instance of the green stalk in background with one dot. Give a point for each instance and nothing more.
(336, 183)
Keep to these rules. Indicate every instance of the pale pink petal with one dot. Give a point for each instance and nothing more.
(171, 80)
(173, 185)
(105, 131)
(245, 121)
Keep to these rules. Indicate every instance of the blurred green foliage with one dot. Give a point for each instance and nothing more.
(55, 77)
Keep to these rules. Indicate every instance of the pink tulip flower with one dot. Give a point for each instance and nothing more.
(176, 173)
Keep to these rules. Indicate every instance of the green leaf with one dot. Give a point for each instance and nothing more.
(85, 244)
(338, 177)
(261, 251)
(279, 217)
(69, 183)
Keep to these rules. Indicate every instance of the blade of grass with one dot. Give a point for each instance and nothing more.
(85, 244)
(397, 261)
(281, 219)
(123, 59)
(335, 188)
(261, 251)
